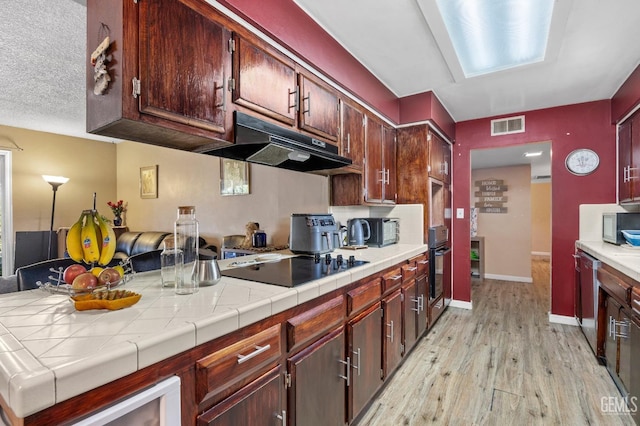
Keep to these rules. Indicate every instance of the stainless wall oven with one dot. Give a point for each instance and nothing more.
(439, 270)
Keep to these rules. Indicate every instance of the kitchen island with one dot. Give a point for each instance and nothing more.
(50, 353)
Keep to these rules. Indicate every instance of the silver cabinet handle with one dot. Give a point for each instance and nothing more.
(417, 301)
(423, 262)
(357, 367)
(612, 327)
(421, 303)
(282, 417)
(258, 351)
(387, 179)
(412, 268)
(348, 376)
(296, 105)
(349, 143)
(635, 302)
(390, 325)
(382, 174)
(308, 99)
(223, 105)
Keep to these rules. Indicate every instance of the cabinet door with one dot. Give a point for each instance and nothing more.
(634, 170)
(258, 403)
(439, 157)
(611, 339)
(624, 161)
(319, 376)
(389, 164)
(264, 81)
(634, 386)
(422, 288)
(352, 134)
(188, 87)
(410, 310)
(392, 322)
(624, 338)
(364, 335)
(318, 106)
(374, 171)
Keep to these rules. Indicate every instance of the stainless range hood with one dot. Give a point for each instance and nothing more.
(258, 141)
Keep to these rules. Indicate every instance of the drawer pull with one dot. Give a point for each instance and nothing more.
(389, 336)
(412, 268)
(417, 302)
(258, 351)
(395, 277)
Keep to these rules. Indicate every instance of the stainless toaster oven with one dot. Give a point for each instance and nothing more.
(384, 231)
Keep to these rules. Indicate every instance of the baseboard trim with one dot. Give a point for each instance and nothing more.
(461, 304)
(562, 319)
(509, 278)
(541, 253)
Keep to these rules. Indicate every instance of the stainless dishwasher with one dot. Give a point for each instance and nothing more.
(587, 300)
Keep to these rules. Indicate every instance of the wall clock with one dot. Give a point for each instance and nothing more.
(582, 161)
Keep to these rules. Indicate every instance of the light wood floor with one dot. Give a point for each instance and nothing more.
(501, 363)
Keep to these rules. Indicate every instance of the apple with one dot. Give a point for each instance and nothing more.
(71, 272)
(85, 281)
(108, 275)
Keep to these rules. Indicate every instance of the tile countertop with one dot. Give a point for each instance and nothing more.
(49, 352)
(624, 258)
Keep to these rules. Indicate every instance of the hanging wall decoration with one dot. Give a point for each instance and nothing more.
(100, 59)
(491, 196)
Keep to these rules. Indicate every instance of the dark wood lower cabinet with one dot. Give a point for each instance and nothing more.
(364, 334)
(410, 307)
(393, 347)
(259, 403)
(319, 374)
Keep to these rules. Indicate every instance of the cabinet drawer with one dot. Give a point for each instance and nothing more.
(614, 285)
(363, 296)
(409, 271)
(228, 368)
(635, 300)
(306, 326)
(422, 263)
(435, 310)
(391, 280)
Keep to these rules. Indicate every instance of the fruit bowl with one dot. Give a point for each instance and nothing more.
(58, 285)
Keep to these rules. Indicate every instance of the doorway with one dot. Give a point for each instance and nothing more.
(6, 215)
(511, 202)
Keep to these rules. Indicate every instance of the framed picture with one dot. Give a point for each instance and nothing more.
(234, 177)
(149, 182)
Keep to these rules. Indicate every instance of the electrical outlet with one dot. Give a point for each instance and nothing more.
(459, 213)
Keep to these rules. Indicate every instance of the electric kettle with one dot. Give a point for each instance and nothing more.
(358, 231)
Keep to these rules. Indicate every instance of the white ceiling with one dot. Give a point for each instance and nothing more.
(593, 48)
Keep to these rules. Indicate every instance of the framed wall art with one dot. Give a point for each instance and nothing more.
(149, 182)
(234, 177)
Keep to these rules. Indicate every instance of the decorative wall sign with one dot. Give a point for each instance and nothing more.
(490, 197)
(149, 182)
(234, 177)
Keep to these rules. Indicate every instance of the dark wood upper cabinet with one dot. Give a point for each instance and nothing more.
(352, 134)
(264, 81)
(629, 160)
(319, 111)
(380, 164)
(168, 68)
(184, 65)
(439, 158)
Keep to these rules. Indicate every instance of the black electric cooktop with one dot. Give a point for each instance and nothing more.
(293, 271)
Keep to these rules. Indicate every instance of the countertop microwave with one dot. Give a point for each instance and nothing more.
(613, 223)
(384, 231)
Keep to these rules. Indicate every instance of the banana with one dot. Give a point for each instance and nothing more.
(74, 243)
(89, 237)
(108, 248)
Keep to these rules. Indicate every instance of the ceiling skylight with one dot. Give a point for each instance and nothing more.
(490, 35)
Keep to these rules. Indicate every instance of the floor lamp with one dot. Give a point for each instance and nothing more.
(55, 182)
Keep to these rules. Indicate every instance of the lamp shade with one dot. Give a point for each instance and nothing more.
(55, 179)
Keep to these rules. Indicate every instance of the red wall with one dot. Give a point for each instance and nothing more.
(569, 127)
(283, 20)
(425, 106)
